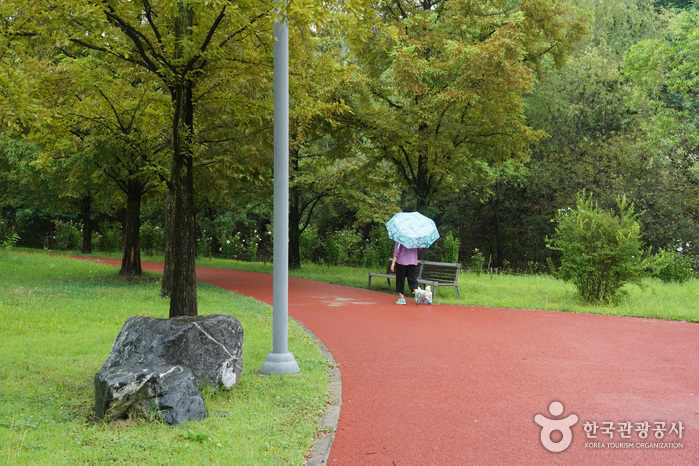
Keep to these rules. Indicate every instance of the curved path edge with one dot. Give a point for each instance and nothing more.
(327, 424)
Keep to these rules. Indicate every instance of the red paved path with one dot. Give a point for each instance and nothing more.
(461, 385)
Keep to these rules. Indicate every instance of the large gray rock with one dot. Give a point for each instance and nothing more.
(210, 346)
(166, 392)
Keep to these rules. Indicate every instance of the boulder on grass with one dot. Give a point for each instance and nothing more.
(211, 346)
(165, 392)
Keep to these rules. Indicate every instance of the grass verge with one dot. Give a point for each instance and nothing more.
(58, 319)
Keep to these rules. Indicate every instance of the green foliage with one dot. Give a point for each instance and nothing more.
(477, 261)
(8, 236)
(68, 236)
(344, 247)
(601, 251)
(451, 248)
(112, 238)
(230, 246)
(310, 245)
(676, 263)
(11, 240)
(152, 239)
(420, 97)
(378, 248)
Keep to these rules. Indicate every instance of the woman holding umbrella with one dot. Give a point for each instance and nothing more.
(411, 231)
(405, 266)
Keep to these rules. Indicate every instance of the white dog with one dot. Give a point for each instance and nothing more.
(423, 296)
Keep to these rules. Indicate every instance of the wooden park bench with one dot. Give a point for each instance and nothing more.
(434, 274)
(388, 275)
(439, 274)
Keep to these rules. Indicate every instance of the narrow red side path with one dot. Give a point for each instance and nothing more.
(461, 385)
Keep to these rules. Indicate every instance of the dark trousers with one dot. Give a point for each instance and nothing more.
(403, 272)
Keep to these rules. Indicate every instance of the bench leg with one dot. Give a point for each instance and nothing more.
(457, 292)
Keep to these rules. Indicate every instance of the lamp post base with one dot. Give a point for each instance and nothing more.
(280, 363)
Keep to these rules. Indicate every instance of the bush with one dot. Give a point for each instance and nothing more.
(205, 244)
(112, 239)
(152, 239)
(600, 251)
(344, 247)
(310, 245)
(68, 235)
(230, 246)
(451, 248)
(477, 261)
(378, 248)
(8, 236)
(252, 245)
(675, 264)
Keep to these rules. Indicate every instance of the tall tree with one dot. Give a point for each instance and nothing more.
(666, 71)
(181, 45)
(439, 87)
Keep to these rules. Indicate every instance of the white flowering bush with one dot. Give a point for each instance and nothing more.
(67, 235)
(675, 263)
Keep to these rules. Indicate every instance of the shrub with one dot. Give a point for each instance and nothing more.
(205, 244)
(600, 251)
(477, 261)
(675, 264)
(230, 246)
(67, 235)
(344, 247)
(451, 248)
(8, 235)
(11, 240)
(310, 245)
(112, 238)
(378, 248)
(152, 239)
(252, 246)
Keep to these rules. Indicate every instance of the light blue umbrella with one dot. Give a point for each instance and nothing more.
(412, 230)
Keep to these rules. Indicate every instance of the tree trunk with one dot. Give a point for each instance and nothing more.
(294, 220)
(182, 232)
(86, 214)
(182, 276)
(423, 182)
(166, 285)
(131, 260)
(497, 224)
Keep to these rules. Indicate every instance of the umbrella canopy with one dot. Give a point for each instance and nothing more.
(412, 230)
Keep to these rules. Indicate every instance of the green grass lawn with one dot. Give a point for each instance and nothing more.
(58, 319)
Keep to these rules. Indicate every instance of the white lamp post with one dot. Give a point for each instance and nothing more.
(280, 360)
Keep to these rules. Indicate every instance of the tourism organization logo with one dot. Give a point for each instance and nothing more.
(549, 426)
(557, 432)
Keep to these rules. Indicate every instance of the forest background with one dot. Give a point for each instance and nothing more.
(490, 117)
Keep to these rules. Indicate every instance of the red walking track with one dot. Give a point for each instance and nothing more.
(459, 385)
